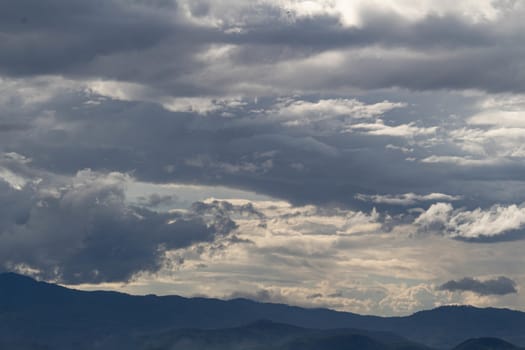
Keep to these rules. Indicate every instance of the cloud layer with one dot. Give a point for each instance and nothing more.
(229, 148)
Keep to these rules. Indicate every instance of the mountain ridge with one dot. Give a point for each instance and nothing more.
(15, 276)
(34, 308)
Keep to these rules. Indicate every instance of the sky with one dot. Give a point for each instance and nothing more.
(361, 155)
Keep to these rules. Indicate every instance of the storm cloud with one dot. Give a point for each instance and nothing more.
(168, 45)
(205, 94)
(84, 232)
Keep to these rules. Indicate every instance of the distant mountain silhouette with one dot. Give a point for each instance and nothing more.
(264, 335)
(36, 314)
(486, 344)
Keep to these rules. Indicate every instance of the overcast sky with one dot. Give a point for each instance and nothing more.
(364, 155)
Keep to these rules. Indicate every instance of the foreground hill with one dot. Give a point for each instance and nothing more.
(264, 335)
(33, 313)
(486, 344)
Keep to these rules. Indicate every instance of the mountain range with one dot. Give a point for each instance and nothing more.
(38, 315)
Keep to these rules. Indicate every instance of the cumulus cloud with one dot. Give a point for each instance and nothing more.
(497, 286)
(299, 112)
(496, 223)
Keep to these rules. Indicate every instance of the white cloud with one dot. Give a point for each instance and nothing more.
(402, 299)
(31, 91)
(435, 217)
(399, 148)
(14, 157)
(499, 118)
(201, 105)
(478, 223)
(484, 146)
(300, 112)
(404, 130)
(14, 180)
(463, 160)
(11, 164)
(126, 91)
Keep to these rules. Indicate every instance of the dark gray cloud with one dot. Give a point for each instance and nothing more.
(57, 36)
(160, 47)
(254, 150)
(498, 286)
(85, 232)
(91, 40)
(248, 150)
(10, 127)
(321, 33)
(153, 44)
(226, 209)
